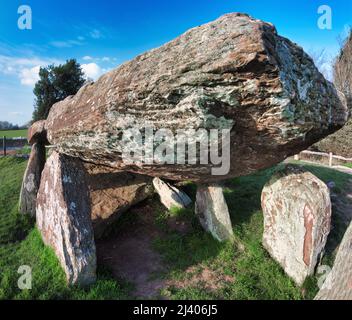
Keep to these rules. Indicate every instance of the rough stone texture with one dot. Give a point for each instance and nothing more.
(63, 217)
(338, 284)
(31, 180)
(212, 211)
(297, 215)
(170, 196)
(233, 73)
(37, 133)
(113, 193)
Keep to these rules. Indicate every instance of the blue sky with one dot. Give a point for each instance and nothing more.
(103, 34)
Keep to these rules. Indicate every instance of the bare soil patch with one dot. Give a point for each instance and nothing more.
(203, 277)
(130, 256)
(129, 253)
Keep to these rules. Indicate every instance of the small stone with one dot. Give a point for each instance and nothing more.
(331, 185)
(31, 180)
(170, 196)
(297, 216)
(63, 217)
(212, 211)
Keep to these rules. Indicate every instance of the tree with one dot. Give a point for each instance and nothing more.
(323, 62)
(340, 142)
(343, 68)
(55, 84)
(5, 125)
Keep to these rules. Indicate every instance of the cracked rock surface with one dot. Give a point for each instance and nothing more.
(234, 73)
(297, 220)
(63, 217)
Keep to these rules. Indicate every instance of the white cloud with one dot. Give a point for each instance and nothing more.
(92, 70)
(87, 58)
(106, 59)
(16, 114)
(96, 34)
(25, 69)
(30, 76)
(66, 43)
(14, 63)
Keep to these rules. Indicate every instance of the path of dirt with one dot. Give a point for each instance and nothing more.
(129, 254)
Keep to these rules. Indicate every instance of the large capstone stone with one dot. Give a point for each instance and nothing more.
(212, 211)
(338, 284)
(63, 217)
(113, 193)
(31, 180)
(170, 196)
(297, 215)
(235, 73)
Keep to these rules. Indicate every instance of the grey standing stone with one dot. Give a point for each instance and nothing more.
(31, 180)
(212, 211)
(170, 196)
(63, 217)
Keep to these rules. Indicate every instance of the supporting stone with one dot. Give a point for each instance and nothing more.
(37, 133)
(338, 284)
(31, 180)
(112, 193)
(297, 216)
(212, 211)
(63, 217)
(170, 196)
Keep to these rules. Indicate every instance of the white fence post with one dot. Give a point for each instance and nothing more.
(330, 159)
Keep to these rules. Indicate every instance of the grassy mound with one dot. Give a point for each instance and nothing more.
(197, 266)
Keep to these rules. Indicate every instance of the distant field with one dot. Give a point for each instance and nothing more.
(14, 133)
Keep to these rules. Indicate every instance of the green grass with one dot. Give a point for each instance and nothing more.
(48, 278)
(13, 133)
(13, 227)
(253, 274)
(21, 244)
(326, 174)
(348, 165)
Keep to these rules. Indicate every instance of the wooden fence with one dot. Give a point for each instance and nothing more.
(324, 158)
(10, 144)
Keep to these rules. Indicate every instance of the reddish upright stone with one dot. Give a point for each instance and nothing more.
(63, 217)
(31, 180)
(297, 215)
